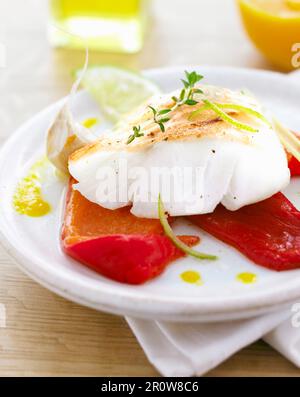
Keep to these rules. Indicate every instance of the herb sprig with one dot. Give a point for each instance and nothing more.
(187, 93)
(186, 97)
(136, 134)
(158, 119)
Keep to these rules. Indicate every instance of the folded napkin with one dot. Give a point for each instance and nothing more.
(179, 349)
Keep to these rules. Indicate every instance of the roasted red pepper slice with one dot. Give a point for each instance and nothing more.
(116, 243)
(268, 232)
(294, 165)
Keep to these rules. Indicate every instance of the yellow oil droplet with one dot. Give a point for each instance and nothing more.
(246, 278)
(28, 199)
(89, 123)
(191, 277)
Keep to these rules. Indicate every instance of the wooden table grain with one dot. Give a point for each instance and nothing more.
(45, 334)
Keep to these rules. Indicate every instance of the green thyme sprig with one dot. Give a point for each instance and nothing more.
(136, 134)
(158, 119)
(186, 97)
(187, 93)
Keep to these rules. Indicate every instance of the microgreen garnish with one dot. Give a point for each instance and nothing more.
(178, 243)
(136, 134)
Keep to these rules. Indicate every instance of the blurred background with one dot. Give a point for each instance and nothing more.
(37, 58)
(136, 34)
(177, 32)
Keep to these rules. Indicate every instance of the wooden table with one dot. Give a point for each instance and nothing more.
(45, 334)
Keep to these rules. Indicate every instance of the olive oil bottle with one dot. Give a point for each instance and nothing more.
(107, 25)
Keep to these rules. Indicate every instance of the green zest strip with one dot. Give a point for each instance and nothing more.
(224, 116)
(245, 109)
(196, 113)
(232, 106)
(178, 243)
(217, 108)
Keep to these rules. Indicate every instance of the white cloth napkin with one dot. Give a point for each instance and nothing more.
(178, 349)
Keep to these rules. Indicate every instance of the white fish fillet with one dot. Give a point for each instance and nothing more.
(209, 161)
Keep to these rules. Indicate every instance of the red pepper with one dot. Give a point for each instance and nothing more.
(268, 232)
(115, 243)
(294, 164)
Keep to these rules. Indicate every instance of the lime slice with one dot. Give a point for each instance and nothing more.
(117, 91)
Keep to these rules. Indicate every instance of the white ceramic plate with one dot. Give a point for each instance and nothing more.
(34, 242)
